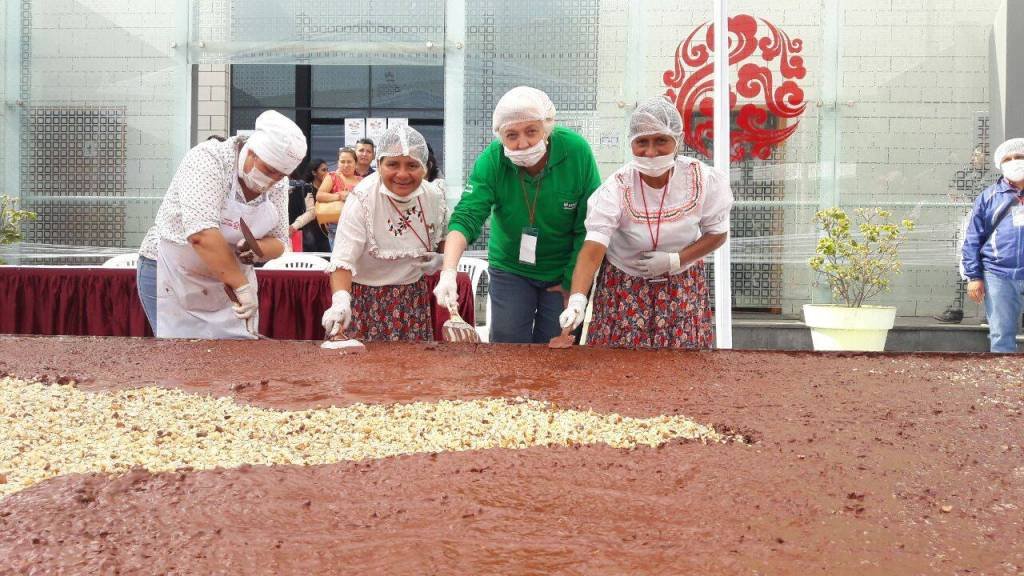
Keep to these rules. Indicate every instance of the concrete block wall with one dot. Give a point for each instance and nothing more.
(212, 107)
(125, 54)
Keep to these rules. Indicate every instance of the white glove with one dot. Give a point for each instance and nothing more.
(573, 314)
(654, 264)
(338, 316)
(247, 306)
(246, 255)
(430, 262)
(446, 292)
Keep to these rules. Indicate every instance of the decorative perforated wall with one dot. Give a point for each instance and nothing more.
(755, 285)
(73, 171)
(564, 65)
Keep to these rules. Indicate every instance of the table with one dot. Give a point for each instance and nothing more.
(95, 301)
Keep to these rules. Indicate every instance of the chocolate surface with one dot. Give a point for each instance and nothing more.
(859, 464)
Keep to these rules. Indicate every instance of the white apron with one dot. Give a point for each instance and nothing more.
(190, 299)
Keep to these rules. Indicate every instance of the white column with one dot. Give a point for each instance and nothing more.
(723, 278)
(828, 122)
(180, 48)
(454, 97)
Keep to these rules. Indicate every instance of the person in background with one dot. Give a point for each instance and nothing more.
(365, 151)
(964, 187)
(434, 173)
(390, 233)
(297, 191)
(433, 170)
(196, 246)
(301, 208)
(335, 186)
(993, 251)
(533, 182)
(649, 227)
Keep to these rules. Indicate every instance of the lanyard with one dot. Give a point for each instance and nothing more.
(655, 233)
(423, 219)
(536, 194)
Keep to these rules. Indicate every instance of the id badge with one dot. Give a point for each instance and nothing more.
(1018, 215)
(528, 246)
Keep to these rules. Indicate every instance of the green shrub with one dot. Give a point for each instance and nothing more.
(10, 220)
(860, 267)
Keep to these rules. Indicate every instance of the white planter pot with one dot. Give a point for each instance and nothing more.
(844, 328)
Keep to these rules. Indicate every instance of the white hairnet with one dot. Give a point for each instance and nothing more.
(401, 140)
(278, 141)
(523, 104)
(655, 116)
(1011, 146)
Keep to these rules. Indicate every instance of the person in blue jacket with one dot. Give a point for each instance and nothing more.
(993, 252)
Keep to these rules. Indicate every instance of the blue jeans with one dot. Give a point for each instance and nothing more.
(1003, 305)
(522, 310)
(145, 280)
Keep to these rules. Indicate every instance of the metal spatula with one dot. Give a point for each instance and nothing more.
(458, 330)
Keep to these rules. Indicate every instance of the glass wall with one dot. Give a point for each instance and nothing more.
(102, 98)
(833, 103)
(873, 103)
(913, 108)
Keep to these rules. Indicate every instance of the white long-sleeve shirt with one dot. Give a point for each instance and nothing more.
(379, 238)
(697, 202)
(196, 195)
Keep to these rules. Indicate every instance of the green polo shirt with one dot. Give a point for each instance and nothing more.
(494, 190)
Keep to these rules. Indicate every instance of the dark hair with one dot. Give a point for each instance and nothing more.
(216, 137)
(347, 150)
(433, 170)
(312, 167)
(366, 141)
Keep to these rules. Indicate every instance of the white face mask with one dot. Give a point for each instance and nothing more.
(1013, 170)
(528, 157)
(254, 179)
(384, 190)
(654, 167)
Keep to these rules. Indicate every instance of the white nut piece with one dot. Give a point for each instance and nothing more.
(48, 430)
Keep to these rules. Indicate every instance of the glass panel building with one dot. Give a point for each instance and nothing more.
(885, 103)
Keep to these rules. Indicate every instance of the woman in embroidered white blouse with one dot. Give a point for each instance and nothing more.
(389, 235)
(649, 227)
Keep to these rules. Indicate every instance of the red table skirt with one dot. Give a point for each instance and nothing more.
(104, 302)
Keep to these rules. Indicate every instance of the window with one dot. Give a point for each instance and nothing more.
(319, 98)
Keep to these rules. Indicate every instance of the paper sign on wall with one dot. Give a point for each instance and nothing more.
(396, 121)
(375, 128)
(355, 128)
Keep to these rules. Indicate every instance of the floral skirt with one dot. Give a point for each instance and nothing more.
(631, 312)
(392, 313)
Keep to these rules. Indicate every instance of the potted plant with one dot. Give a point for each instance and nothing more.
(10, 221)
(856, 268)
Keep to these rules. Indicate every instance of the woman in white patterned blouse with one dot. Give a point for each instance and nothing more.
(651, 224)
(390, 234)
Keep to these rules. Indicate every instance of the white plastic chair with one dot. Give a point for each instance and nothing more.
(123, 261)
(476, 267)
(296, 261)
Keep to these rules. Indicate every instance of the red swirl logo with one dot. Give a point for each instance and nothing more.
(691, 86)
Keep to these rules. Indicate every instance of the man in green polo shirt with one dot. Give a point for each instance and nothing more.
(534, 180)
